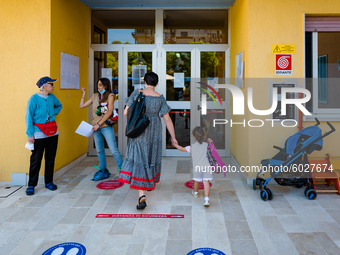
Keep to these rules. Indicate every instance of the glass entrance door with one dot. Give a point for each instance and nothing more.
(105, 65)
(212, 70)
(189, 72)
(125, 67)
(137, 61)
(178, 95)
(185, 72)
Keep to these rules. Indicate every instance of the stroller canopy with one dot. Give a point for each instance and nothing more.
(304, 140)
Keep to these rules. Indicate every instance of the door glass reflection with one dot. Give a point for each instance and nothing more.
(178, 72)
(106, 65)
(217, 133)
(139, 63)
(213, 70)
(181, 121)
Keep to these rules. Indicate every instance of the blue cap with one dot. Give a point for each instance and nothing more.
(45, 80)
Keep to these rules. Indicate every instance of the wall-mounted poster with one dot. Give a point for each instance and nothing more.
(69, 71)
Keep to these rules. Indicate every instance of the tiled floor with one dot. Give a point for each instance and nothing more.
(237, 222)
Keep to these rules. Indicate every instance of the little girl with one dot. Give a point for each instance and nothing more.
(201, 166)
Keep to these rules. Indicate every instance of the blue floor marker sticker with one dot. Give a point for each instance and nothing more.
(205, 251)
(66, 249)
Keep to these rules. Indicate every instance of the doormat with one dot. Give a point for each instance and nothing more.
(7, 191)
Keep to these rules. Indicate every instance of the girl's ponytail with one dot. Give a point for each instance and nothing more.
(199, 134)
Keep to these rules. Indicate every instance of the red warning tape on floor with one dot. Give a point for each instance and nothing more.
(140, 216)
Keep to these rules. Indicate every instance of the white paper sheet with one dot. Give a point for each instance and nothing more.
(85, 129)
(178, 80)
(29, 146)
(69, 71)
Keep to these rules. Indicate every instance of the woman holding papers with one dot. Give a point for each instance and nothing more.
(102, 109)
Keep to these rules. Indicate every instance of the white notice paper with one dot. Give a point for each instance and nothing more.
(178, 80)
(85, 129)
(69, 71)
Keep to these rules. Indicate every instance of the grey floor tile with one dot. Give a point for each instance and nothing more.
(327, 244)
(7, 248)
(238, 229)
(183, 166)
(305, 243)
(39, 201)
(134, 249)
(283, 244)
(23, 215)
(263, 243)
(86, 200)
(178, 247)
(30, 243)
(79, 234)
(74, 216)
(7, 213)
(180, 229)
(243, 247)
(233, 210)
(123, 227)
(272, 225)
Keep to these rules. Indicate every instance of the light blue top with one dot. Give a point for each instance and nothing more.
(40, 110)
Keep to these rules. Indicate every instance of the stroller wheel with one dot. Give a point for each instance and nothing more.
(264, 195)
(305, 191)
(254, 184)
(311, 194)
(260, 185)
(270, 194)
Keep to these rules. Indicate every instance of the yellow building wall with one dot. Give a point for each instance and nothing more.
(274, 22)
(239, 42)
(70, 34)
(25, 46)
(31, 47)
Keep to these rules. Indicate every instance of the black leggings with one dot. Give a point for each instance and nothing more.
(49, 145)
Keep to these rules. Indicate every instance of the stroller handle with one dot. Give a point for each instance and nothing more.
(331, 126)
(317, 122)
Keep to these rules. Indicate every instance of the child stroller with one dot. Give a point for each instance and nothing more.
(290, 166)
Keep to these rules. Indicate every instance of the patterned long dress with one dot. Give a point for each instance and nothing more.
(143, 160)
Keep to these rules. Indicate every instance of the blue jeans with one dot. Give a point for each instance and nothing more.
(109, 135)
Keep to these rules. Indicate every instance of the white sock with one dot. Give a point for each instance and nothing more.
(206, 198)
(196, 193)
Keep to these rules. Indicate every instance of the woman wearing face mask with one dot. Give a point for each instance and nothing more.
(105, 99)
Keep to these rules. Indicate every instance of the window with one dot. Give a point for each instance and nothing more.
(195, 26)
(125, 26)
(322, 40)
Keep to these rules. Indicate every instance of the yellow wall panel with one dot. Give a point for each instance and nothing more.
(25, 28)
(255, 26)
(70, 34)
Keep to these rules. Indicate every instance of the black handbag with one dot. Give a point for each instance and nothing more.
(137, 119)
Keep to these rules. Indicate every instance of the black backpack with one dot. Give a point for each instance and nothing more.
(137, 119)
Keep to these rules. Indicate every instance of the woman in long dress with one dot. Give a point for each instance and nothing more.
(143, 161)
